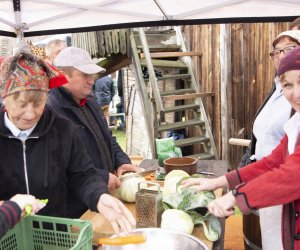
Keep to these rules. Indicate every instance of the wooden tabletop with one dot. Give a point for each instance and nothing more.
(103, 228)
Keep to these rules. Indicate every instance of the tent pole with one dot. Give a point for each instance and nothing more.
(18, 20)
(161, 9)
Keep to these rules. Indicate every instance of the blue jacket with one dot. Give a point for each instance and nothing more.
(103, 90)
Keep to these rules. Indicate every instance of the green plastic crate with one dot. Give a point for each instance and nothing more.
(45, 233)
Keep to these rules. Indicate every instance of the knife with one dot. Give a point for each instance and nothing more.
(141, 174)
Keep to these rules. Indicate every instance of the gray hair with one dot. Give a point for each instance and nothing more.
(52, 44)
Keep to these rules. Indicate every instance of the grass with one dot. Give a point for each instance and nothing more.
(121, 137)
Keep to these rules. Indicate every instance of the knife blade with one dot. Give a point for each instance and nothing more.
(141, 174)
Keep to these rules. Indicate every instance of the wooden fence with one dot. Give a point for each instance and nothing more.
(251, 76)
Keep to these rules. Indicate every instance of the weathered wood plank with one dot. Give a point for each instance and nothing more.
(178, 125)
(108, 42)
(190, 141)
(177, 92)
(115, 41)
(225, 57)
(165, 63)
(123, 41)
(182, 108)
(162, 47)
(188, 96)
(172, 54)
(172, 77)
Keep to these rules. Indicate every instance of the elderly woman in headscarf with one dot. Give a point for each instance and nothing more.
(40, 152)
(274, 179)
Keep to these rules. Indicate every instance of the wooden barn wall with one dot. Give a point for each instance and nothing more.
(252, 74)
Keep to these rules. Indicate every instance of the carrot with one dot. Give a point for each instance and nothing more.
(130, 239)
(150, 177)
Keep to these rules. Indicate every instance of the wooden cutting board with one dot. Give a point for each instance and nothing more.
(103, 228)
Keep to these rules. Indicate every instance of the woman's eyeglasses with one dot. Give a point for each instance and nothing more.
(276, 53)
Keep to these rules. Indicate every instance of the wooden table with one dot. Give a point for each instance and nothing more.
(102, 228)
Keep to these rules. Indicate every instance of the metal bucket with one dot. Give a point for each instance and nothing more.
(158, 238)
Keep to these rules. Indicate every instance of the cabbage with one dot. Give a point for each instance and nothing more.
(192, 203)
(177, 220)
(173, 173)
(171, 180)
(129, 188)
(211, 225)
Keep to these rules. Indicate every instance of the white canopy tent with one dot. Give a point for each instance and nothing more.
(44, 17)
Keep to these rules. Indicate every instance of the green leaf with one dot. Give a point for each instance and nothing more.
(172, 200)
(186, 201)
(197, 218)
(44, 201)
(213, 231)
(28, 210)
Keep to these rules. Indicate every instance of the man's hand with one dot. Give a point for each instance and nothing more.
(128, 168)
(113, 182)
(116, 213)
(222, 206)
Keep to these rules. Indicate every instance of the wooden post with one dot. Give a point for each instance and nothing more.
(225, 64)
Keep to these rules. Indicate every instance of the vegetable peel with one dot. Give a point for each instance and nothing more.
(130, 239)
(28, 208)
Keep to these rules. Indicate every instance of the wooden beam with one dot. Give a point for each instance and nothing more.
(239, 142)
(164, 63)
(187, 96)
(172, 54)
(226, 76)
(114, 63)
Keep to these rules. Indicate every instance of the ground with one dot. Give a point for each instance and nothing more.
(233, 225)
(234, 233)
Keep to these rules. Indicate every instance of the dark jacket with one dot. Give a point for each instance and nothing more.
(10, 214)
(63, 104)
(104, 90)
(55, 159)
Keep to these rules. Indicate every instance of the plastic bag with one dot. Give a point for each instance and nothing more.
(166, 149)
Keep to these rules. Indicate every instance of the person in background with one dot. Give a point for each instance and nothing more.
(121, 105)
(42, 153)
(11, 210)
(53, 48)
(73, 101)
(2, 58)
(295, 25)
(274, 179)
(267, 131)
(104, 92)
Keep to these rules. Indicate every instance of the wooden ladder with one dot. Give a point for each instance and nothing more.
(170, 96)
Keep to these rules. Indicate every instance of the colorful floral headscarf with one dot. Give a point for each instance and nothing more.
(25, 71)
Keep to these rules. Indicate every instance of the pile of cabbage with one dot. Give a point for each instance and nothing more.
(184, 208)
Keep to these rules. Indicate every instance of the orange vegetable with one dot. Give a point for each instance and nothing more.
(130, 239)
(150, 177)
